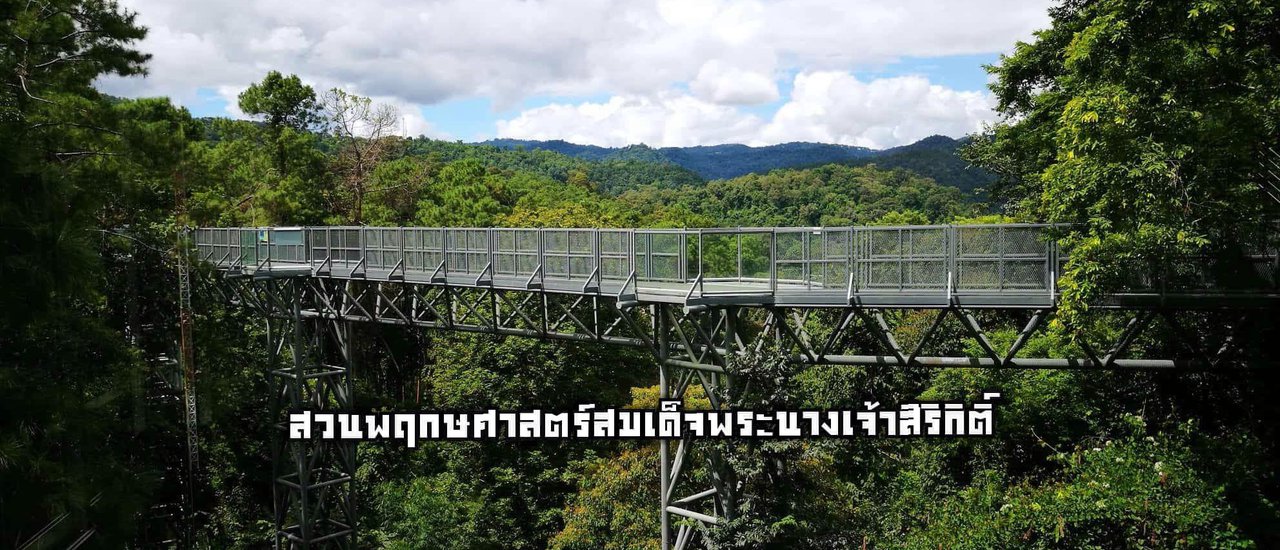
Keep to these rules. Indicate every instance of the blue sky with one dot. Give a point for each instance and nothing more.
(607, 72)
(474, 118)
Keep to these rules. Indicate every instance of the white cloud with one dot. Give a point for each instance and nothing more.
(428, 52)
(829, 107)
(835, 107)
(280, 40)
(726, 85)
(725, 52)
(670, 119)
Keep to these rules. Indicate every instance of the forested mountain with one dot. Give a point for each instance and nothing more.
(709, 161)
(831, 195)
(613, 171)
(610, 174)
(936, 157)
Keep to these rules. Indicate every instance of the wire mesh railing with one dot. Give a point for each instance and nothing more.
(975, 259)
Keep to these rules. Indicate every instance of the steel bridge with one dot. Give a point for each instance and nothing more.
(695, 298)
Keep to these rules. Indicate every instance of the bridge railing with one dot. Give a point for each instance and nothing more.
(942, 259)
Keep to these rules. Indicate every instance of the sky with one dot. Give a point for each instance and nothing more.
(604, 72)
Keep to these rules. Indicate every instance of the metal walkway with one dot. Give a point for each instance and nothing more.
(977, 266)
(695, 298)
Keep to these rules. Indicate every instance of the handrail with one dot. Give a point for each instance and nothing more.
(950, 261)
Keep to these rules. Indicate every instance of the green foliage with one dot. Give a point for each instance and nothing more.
(1136, 492)
(289, 111)
(709, 161)
(512, 493)
(461, 196)
(254, 177)
(609, 176)
(777, 493)
(75, 168)
(438, 511)
(399, 183)
(1140, 123)
(613, 508)
(895, 217)
(281, 102)
(831, 195)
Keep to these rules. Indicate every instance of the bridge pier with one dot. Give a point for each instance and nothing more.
(312, 480)
(689, 334)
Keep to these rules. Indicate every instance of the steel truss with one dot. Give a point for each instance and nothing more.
(692, 344)
(313, 480)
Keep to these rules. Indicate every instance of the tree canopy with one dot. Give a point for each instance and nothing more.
(1143, 124)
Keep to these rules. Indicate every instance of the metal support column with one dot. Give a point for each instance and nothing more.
(694, 339)
(313, 479)
(664, 450)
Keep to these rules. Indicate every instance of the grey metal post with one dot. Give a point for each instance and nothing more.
(773, 261)
(804, 251)
(953, 252)
(683, 257)
(700, 264)
(1000, 280)
(664, 451)
(444, 252)
(849, 264)
(739, 257)
(490, 245)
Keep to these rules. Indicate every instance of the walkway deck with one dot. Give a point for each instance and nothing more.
(1007, 266)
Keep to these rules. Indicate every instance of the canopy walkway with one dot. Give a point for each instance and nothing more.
(695, 298)
(1005, 266)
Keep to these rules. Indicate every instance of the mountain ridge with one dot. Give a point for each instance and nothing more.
(935, 156)
(712, 162)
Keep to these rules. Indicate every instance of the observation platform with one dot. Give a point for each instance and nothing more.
(928, 267)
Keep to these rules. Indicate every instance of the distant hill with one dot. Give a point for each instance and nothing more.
(935, 157)
(613, 173)
(711, 161)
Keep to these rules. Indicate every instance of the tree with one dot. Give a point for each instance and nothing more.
(282, 102)
(460, 197)
(235, 179)
(77, 170)
(397, 186)
(365, 132)
(1141, 124)
(774, 493)
(51, 126)
(271, 172)
(286, 106)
